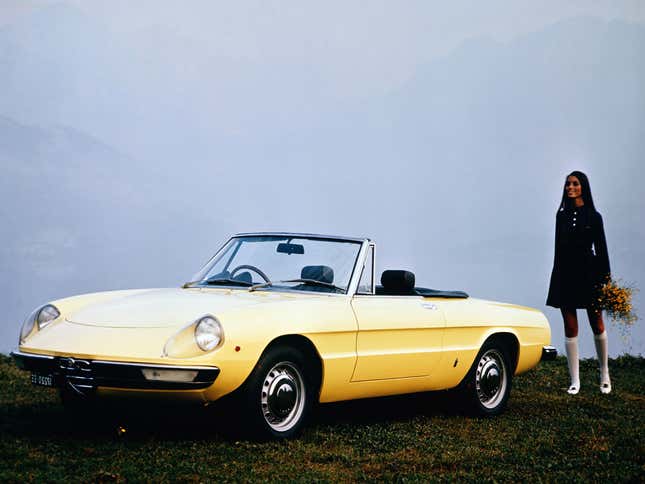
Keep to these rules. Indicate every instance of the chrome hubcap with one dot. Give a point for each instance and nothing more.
(283, 396)
(491, 379)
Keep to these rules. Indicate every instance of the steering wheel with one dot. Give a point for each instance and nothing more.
(250, 268)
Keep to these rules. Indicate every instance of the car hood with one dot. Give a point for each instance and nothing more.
(158, 308)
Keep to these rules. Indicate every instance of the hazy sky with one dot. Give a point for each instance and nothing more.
(135, 137)
(363, 47)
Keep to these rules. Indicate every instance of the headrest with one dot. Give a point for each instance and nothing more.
(398, 281)
(318, 273)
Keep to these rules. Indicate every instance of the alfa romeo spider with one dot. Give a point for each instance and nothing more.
(276, 323)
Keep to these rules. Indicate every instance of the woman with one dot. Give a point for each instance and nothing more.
(580, 266)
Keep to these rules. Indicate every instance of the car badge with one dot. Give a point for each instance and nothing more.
(71, 364)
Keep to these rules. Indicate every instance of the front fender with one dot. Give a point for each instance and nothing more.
(327, 321)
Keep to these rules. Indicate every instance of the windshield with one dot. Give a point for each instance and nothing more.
(282, 263)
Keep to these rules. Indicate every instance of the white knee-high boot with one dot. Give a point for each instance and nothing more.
(602, 351)
(571, 346)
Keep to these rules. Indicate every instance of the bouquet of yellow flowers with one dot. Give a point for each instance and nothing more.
(616, 299)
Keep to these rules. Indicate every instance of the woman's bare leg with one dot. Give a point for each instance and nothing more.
(602, 350)
(596, 322)
(570, 319)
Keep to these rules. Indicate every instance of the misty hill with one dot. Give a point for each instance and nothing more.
(74, 210)
(60, 160)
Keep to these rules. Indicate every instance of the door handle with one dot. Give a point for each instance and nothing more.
(431, 306)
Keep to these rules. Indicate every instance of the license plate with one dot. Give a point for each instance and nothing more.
(42, 380)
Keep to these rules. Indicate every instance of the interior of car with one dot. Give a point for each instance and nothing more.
(393, 283)
(402, 283)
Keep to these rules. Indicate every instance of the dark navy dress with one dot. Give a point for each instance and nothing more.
(581, 262)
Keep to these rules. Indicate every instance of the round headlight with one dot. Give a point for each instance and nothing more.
(28, 326)
(208, 333)
(46, 315)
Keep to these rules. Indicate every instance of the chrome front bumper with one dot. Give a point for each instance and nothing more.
(87, 375)
(549, 353)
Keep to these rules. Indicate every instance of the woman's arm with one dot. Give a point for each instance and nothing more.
(558, 240)
(600, 247)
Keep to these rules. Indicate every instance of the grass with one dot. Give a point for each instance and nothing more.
(545, 435)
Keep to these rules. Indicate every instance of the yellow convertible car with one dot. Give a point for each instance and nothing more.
(277, 322)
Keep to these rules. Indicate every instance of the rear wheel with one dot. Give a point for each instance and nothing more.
(278, 396)
(487, 386)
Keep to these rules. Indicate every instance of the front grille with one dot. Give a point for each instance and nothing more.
(78, 373)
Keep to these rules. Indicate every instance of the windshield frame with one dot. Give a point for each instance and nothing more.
(353, 280)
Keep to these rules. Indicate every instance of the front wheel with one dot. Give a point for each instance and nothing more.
(487, 386)
(278, 396)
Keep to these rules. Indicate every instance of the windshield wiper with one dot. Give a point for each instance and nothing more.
(186, 285)
(316, 282)
(224, 280)
(262, 284)
(311, 282)
(218, 281)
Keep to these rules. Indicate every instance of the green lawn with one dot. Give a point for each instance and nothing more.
(545, 435)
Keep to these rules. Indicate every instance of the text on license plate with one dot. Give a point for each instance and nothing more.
(42, 380)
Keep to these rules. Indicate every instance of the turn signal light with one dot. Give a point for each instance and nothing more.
(158, 374)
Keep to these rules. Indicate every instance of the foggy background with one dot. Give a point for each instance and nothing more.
(136, 137)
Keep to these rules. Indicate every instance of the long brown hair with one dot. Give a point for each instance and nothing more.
(586, 192)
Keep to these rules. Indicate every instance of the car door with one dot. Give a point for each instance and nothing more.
(398, 336)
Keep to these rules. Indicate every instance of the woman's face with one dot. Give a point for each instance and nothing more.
(573, 188)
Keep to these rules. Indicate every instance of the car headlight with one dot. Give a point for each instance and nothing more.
(42, 316)
(28, 325)
(208, 333)
(46, 315)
